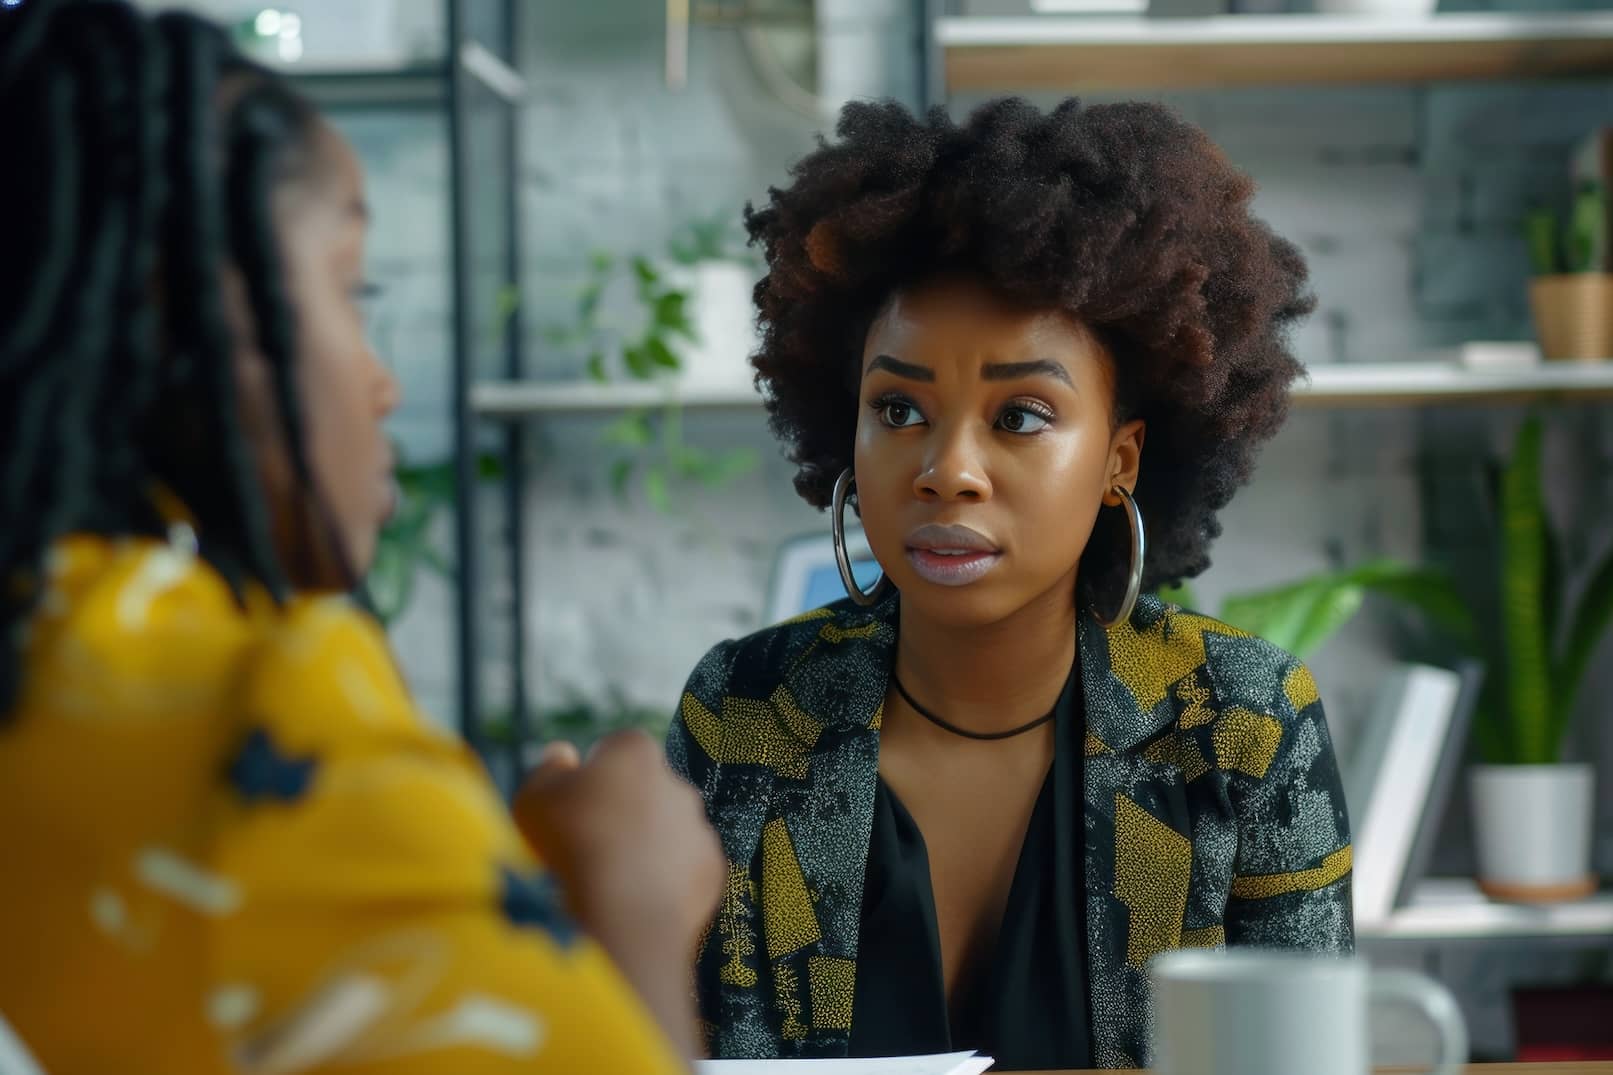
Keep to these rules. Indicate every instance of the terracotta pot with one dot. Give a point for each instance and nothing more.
(1574, 315)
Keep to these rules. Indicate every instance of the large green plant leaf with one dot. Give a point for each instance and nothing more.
(1590, 623)
(1523, 605)
(1297, 616)
(1301, 616)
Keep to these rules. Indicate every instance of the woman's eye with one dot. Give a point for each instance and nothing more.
(899, 414)
(1022, 420)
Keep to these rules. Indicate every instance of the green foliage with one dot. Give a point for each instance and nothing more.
(1575, 244)
(708, 238)
(1300, 616)
(406, 542)
(1538, 649)
(582, 722)
(646, 446)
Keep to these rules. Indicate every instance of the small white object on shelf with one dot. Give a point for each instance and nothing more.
(1388, 9)
(1499, 355)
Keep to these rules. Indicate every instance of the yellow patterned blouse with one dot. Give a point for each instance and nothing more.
(231, 844)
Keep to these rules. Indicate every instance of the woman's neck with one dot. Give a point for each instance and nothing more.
(993, 677)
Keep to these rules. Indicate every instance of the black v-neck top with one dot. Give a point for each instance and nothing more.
(1028, 1005)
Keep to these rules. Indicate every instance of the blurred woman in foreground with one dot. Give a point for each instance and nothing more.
(232, 843)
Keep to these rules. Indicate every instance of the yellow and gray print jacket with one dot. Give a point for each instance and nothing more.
(1214, 814)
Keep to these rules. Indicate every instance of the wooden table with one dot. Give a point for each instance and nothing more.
(1566, 1067)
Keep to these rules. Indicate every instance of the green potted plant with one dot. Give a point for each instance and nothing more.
(1571, 293)
(719, 275)
(1533, 809)
(638, 321)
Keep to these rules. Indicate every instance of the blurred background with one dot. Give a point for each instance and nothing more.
(593, 499)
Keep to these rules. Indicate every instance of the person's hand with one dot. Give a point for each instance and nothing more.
(642, 869)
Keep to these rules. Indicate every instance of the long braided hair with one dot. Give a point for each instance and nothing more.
(142, 154)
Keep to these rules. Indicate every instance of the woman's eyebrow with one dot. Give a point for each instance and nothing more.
(1013, 371)
(909, 370)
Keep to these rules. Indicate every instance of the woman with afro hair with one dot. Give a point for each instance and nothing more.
(965, 808)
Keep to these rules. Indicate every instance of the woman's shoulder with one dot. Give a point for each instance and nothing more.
(136, 626)
(814, 642)
(1245, 670)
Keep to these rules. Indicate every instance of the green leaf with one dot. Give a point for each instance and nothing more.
(600, 263)
(639, 363)
(1430, 591)
(1297, 616)
(655, 490)
(729, 465)
(489, 466)
(1551, 581)
(588, 301)
(621, 472)
(645, 272)
(1540, 233)
(661, 354)
(671, 313)
(596, 367)
(1523, 565)
(437, 564)
(390, 582)
(1590, 623)
(631, 430)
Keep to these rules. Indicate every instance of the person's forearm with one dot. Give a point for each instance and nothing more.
(662, 982)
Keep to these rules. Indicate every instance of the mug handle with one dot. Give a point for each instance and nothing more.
(1414, 990)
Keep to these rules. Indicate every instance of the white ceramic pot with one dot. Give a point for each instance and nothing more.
(1387, 9)
(724, 321)
(1532, 830)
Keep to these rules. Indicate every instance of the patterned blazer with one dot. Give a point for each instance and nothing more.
(1213, 814)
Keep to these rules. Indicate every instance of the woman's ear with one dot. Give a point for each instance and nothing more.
(1125, 459)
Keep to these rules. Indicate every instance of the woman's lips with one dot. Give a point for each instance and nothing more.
(952, 567)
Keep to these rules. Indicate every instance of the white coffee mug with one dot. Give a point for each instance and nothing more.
(1263, 1012)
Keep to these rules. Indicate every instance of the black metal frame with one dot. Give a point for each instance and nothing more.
(468, 536)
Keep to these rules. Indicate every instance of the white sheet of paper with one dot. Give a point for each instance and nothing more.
(942, 1064)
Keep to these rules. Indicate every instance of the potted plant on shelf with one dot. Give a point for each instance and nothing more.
(1571, 294)
(639, 321)
(1532, 809)
(719, 276)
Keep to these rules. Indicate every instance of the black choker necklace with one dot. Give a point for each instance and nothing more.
(966, 733)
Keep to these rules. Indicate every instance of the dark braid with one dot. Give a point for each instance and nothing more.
(134, 192)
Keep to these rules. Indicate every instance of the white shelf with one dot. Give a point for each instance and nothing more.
(1363, 384)
(1114, 52)
(1404, 383)
(1455, 909)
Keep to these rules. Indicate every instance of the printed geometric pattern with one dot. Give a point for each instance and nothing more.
(260, 771)
(1185, 717)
